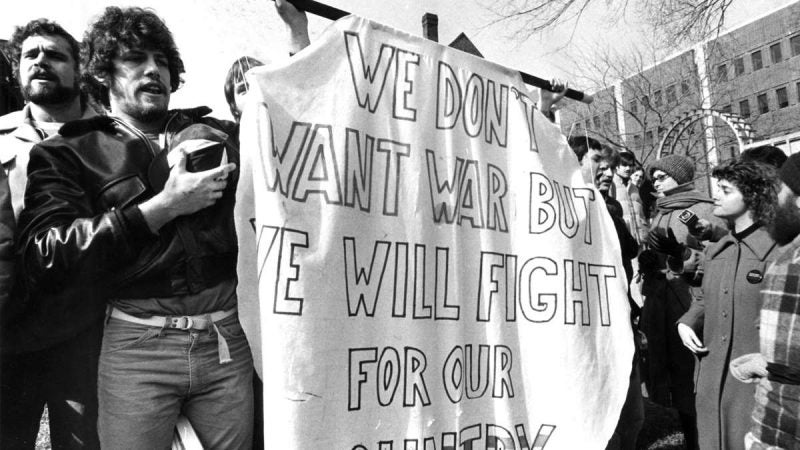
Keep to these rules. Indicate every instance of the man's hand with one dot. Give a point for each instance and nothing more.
(185, 193)
(666, 244)
(749, 368)
(548, 99)
(297, 24)
(690, 339)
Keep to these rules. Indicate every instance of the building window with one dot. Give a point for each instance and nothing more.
(794, 42)
(588, 124)
(726, 109)
(722, 72)
(657, 99)
(783, 97)
(775, 53)
(637, 140)
(797, 86)
(671, 94)
(607, 119)
(744, 108)
(684, 88)
(763, 104)
(578, 126)
(632, 107)
(596, 121)
(645, 101)
(738, 66)
(648, 138)
(755, 58)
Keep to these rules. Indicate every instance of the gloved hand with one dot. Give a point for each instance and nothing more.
(648, 261)
(749, 368)
(667, 245)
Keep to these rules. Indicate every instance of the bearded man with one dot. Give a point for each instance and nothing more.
(134, 211)
(47, 358)
(775, 421)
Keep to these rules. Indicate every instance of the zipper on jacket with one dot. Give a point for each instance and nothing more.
(167, 136)
(138, 134)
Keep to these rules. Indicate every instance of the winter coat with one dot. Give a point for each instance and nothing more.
(725, 319)
(83, 238)
(669, 287)
(633, 212)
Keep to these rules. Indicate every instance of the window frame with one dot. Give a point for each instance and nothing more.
(738, 66)
(794, 45)
(763, 107)
(760, 58)
(722, 72)
(773, 49)
(744, 106)
(785, 92)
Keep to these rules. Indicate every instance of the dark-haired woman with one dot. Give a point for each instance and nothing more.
(722, 325)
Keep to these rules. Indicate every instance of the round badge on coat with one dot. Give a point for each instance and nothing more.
(755, 276)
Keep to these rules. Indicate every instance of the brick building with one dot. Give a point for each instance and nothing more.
(751, 74)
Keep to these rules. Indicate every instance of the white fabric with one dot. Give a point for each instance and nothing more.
(384, 314)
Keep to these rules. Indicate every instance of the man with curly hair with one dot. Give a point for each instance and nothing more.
(47, 358)
(134, 210)
(719, 326)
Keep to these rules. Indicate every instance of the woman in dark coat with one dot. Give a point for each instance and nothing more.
(672, 271)
(722, 324)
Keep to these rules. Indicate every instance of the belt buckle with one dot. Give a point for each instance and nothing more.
(181, 323)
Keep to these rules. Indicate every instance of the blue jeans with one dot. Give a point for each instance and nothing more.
(149, 375)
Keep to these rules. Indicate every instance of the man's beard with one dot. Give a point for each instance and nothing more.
(51, 96)
(146, 114)
(141, 112)
(786, 224)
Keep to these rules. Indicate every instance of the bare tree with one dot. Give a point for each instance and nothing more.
(680, 21)
(654, 94)
(687, 20)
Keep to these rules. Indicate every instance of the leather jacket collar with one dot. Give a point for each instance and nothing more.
(178, 118)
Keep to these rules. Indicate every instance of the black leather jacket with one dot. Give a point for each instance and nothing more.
(84, 239)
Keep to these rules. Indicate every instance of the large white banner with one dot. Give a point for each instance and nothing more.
(426, 265)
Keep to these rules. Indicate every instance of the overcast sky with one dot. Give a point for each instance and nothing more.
(212, 33)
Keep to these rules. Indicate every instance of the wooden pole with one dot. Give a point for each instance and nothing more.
(329, 12)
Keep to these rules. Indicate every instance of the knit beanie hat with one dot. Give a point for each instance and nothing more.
(790, 173)
(679, 167)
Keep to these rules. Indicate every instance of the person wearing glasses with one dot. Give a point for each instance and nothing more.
(672, 271)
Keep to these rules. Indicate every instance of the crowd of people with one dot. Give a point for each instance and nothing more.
(717, 282)
(118, 305)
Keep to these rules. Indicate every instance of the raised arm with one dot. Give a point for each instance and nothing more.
(548, 101)
(296, 25)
